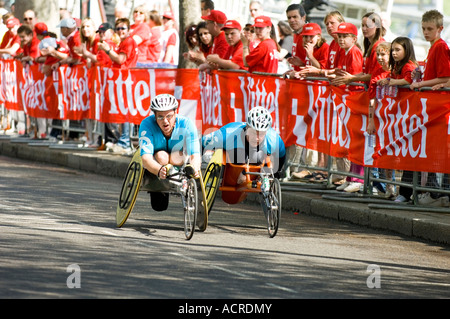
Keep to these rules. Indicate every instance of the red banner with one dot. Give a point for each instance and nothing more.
(38, 94)
(413, 128)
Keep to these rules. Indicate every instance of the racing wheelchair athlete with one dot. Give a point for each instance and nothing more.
(246, 157)
(167, 161)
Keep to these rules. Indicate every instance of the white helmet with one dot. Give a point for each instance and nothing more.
(164, 102)
(259, 119)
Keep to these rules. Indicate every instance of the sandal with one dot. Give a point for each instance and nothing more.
(319, 177)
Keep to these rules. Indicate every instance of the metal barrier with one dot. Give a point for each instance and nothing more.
(367, 194)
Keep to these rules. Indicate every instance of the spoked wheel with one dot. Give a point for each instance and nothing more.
(130, 189)
(190, 200)
(274, 208)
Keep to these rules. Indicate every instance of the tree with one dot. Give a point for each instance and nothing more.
(46, 11)
(189, 12)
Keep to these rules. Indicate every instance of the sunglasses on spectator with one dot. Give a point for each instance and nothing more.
(140, 12)
(251, 30)
(121, 28)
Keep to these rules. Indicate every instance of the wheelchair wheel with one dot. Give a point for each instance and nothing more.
(212, 178)
(130, 189)
(190, 200)
(202, 217)
(274, 209)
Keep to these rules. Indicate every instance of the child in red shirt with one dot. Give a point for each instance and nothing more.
(402, 62)
(264, 58)
(234, 56)
(316, 49)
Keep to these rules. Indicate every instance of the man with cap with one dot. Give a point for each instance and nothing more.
(126, 54)
(263, 58)
(170, 40)
(70, 31)
(214, 23)
(105, 33)
(10, 44)
(234, 56)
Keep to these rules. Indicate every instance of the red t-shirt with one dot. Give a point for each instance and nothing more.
(263, 58)
(351, 61)
(32, 48)
(50, 60)
(143, 31)
(371, 64)
(220, 45)
(154, 45)
(129, 47)
(74, 40)
(235, 54)
(437, 63)
(320, 54)
(102, 58)
(298, 49)
(378, 75)
(10, 39)
(405, 73)
(333, 55)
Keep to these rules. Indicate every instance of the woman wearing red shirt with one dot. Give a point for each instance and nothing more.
(264, 58)
(125, 55)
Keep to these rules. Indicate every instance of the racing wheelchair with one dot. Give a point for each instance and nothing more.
(180, 183)
(221, 174)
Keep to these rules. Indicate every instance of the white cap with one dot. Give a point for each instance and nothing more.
(47, 42)
(67, 23)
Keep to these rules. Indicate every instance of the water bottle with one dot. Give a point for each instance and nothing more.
(265, 185)
(394, 90)
(380, 92)
(417, 75)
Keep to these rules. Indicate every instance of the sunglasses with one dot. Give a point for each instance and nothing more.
(26, 19)
(140, 12)
(251, 30)
(121, 28)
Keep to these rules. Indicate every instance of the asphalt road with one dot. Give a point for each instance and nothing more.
(58, 240)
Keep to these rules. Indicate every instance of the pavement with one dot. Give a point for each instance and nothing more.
(424, 223)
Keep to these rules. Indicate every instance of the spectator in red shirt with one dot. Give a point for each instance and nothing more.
(125, 55)
(54, 51)
(70, 31)
(373, 32)
(89, 41)
(141, 32)
(170, 40)
(264, 58)
(296, 17)
(10, 44)
(154, 46)
(105, 34)
(29, 44)
(214, 22)
(315, 46)
(234, 56)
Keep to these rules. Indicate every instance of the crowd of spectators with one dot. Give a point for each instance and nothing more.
(294, 48)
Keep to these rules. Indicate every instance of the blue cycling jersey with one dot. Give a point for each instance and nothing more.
(232, 136)
(184, 137)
